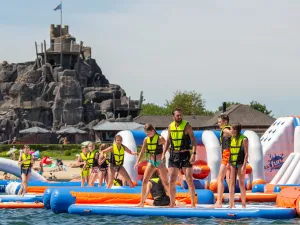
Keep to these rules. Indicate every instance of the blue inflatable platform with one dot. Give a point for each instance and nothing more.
(17, 198)
(202, 211)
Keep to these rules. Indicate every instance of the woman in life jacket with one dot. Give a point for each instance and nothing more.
(83, 164)
(117, 153)
(93, 163)
(25, 162)
(153, 144)
(103, 166)
(238, 162)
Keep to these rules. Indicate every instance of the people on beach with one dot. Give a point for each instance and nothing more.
(6, 176)
(117, 152)
(25, 162)
(225, 138)
(153, 144)
(93, 163)
(238, 162)
(179, 140)
(103, 166)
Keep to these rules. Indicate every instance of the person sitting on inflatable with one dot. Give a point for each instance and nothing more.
(153, 143)
(26, 162)
(116, 161)
(159, 192)
(238, 162)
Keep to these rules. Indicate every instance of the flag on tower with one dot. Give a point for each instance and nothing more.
(58, 7)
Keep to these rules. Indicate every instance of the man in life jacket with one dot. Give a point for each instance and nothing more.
(82, 162)
(25, 161)
(225, 138)
(117, 153)
(238, 162)
(180, 137)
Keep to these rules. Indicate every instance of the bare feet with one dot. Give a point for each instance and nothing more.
(140, 205)
(217, 205)
(244, 206)
(172, 205)
(193, 206)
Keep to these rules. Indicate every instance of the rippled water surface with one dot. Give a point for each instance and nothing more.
(43, 216)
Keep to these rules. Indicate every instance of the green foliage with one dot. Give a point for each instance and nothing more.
(259, 107)
(190, 102)
(227, 105)
(68, 153)
(152, 109)
(46, 147)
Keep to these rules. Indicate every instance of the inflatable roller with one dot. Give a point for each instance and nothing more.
(289, 198)
(20, 205)
(62, 198)
(16, 198)
(119, 198)
(251, 197)
(202, 211)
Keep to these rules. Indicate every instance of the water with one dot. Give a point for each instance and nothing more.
(43, 216)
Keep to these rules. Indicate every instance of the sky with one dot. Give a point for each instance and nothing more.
(229, 50)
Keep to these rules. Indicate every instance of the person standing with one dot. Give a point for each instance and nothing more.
(180, 137)
(238, 162)
(25, 162)
(225, 138)
(153, 143)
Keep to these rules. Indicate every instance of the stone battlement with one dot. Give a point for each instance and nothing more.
(55, 31)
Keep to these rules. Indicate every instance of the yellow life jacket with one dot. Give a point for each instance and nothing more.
(179, 140)
(84, 158)
(117, 158)
(116, 183)
(27, 163)
(222, 131)
(237, 154)
(91, 159)
(152, 145)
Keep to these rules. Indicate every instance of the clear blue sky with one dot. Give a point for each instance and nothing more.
(228, 50)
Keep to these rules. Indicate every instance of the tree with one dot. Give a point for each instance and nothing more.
(227, 105)
(259, 107)
(153, 109)
(190, 102)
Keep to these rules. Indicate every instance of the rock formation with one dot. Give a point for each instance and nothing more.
(46, 94)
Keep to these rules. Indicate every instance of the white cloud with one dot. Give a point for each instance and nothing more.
(232, 50)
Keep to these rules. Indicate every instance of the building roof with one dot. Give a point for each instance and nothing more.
(34, 130)
(70, 130)
(164, 121)
(244, 115)
(117, 126)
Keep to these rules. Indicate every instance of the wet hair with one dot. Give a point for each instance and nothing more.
(118, 136)
(224, 117)
(103, 146)
(238, 128)
(176, 110)
(148, 127)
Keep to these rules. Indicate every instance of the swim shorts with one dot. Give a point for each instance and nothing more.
(225, 156)
(155, 163)
(180, 160)
(26, 171)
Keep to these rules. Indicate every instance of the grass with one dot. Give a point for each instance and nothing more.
(63, 155)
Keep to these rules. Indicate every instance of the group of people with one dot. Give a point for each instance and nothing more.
(158, 180)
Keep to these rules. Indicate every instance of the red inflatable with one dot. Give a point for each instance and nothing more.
(200, 169)
(141, 167)
(46, 160)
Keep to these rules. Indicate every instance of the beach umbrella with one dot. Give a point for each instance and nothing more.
(35, 130)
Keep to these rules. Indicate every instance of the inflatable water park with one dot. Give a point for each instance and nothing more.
(272, 181)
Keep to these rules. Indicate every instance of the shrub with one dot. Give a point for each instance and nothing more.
(67, 153)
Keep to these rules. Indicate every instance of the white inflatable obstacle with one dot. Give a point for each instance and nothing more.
(12, 167)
